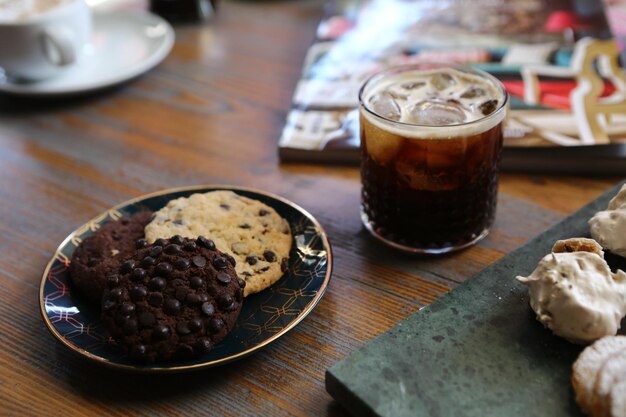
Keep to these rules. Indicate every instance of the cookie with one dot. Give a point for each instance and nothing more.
(101, 253)
(252, 232)
(174, 299)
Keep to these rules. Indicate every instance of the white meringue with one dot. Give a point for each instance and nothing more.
(577, 296)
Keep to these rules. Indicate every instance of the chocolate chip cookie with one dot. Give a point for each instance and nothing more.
(173, 299)
(101, 253)
(252, 232)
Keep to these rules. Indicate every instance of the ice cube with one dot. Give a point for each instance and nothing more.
(381, 146)
(413, 85)
(473, 92)
(441, 81)
(436, 113)
(488, 107)
(384, 105)
(398, 96)
(419, 178)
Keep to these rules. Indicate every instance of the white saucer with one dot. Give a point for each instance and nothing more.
(123, 45)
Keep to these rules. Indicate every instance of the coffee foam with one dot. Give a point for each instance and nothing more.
(21, 10)
(475, 121)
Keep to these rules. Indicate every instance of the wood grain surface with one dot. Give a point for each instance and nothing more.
(212, 113)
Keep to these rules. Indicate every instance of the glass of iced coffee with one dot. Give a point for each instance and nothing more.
(431, 136)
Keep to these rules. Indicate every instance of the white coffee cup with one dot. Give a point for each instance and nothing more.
(40, 39)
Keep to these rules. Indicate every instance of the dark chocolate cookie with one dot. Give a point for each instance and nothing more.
(173, 299)
(101, 254)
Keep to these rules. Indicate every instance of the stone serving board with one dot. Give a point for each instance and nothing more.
(476, 351)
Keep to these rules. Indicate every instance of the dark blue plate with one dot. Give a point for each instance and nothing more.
(265, 316)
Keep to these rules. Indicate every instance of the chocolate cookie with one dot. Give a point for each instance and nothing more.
(254, 233)
(101, 253)
(173, 299)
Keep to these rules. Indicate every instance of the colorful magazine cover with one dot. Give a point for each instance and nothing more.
(547, 53)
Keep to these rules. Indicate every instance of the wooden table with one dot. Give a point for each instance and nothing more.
(211, 114)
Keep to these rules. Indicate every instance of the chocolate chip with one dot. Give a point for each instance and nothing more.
(195, 325)
(138, 351)
(161, 332)
(155, 299)
(192, 299)
(224, 301)
(148, 261)
(181, 293)
(182, 328)
(263, 212)
(251, 260)
(244, 226)
(225, 206)
(127, 308)
(190, 246)
(155, 251)
(130, 326)
(115, 293)
(215, 325)
(182, 264)
(269, 256)
(157, 283)
(208, 309)
(160, 242)
(239, 295)
(177, 239)
(139, 293)
(241, 282)
(127, 266)
(199, 261)
(264, 269)
(207, 243)
(120, 318)
(231, 260)
(141, 243)
(196, 282)
(113, 281)
(147, 319)
(178, 222)
(223, 278)
(108, 305)
(172, 249)
(220, 263)
(284, 264)
(163, 269)
(172, 306)
(138, 274)
(184, 351)
(204, 345)
(203, 297)
(246, 273)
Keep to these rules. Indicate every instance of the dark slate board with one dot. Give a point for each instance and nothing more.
(476, 351)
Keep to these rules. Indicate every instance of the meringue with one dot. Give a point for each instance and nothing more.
(576, 295)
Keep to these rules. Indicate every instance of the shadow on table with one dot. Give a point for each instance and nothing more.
(126, 389)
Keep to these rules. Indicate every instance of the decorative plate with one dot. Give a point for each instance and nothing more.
(265, 316)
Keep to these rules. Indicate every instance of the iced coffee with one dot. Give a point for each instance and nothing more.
(431, 137)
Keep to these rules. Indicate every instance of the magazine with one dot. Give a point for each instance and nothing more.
(545, 52)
